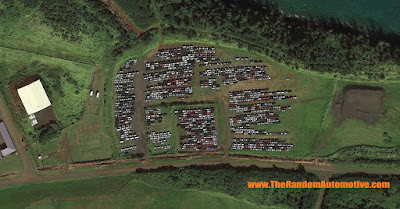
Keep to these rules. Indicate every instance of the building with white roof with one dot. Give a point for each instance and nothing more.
(34, 97)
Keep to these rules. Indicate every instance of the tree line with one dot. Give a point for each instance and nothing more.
(323, 45)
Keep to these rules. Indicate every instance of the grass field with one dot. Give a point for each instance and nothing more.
(25, 30)
(11, 163)
(356, 132)
(24, 196)
(140, 195)
(86, 138)
(135, 191)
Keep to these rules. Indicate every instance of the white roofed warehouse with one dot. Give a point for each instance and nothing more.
(34, 97)
(37, 104)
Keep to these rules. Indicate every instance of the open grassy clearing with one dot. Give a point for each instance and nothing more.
(20, 23)
(25, 195)
(140, 195)
(86, 138)
(11, 163)
(356, 132)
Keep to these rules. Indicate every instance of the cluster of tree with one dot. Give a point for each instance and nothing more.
(320, 45)
(387, 139)
(233, 181)
(139, 11)
(71, 19)
(363, 198)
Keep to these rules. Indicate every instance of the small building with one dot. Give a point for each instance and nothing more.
(6, 143)
(34, 97)
(37, 104)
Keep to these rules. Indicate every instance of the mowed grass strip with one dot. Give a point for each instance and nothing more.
(140, 195)
(11, 163)
(86, 138)
(31, 194)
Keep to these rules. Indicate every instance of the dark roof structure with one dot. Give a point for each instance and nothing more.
(7, 140)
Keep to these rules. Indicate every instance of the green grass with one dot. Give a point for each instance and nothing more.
(167, 161)
(26, 31)
(25, 195)
(11, 163)
(140, 195)
(356, 132)
(154, 190)
(66, 83)
(86, 138)
(66, 93)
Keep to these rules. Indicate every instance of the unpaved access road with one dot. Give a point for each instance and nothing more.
(322, 171)
(5, 115)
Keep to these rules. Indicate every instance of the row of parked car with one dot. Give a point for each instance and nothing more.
(199, 127)
(272, 145)
(157, 94)
(188, 52)
(234, 74)
(170, 75)
(258, 95)
(258, 107)
(153, 116)
(124, 105)
(254, 119)
(159, 140)
(209, 83)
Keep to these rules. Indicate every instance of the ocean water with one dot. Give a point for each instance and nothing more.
(385, 13)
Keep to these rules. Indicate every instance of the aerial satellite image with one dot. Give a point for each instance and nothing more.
(199, 104)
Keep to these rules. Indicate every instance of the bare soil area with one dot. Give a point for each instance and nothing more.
(360, 103)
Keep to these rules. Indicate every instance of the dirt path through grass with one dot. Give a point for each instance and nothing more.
(28, 170)
(114, 8)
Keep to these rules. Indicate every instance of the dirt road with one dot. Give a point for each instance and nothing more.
(5, 115)
(322, 171)
(114, 8)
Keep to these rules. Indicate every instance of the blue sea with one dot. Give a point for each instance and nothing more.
(383, 13)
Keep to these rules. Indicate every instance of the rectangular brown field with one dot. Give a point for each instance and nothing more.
(362, 103)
